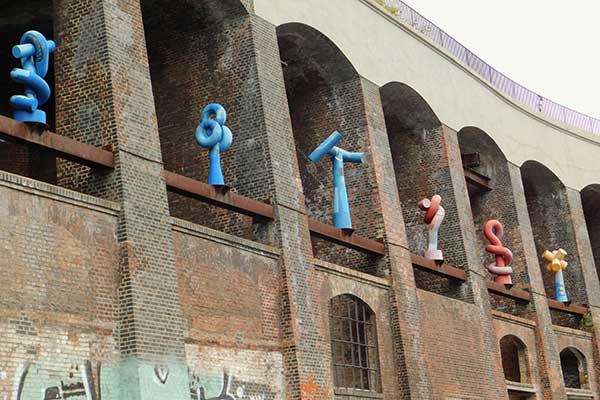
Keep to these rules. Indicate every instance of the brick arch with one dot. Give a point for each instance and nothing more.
(203, 52)
(422, 168)
(552, 227)
(590, 199)
(16, 19)
(573, 363)
(482, 155)
(325, 94)
(515, 359)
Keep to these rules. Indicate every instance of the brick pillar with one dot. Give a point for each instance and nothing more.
(586, 259)
(476, 274)
(410, 353)
(104, 96)
(547, 348)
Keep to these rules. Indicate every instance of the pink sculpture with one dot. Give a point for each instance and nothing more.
(493, 231)
(433, 217)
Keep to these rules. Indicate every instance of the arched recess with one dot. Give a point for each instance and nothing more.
(15, 19)
(203, 52)
(590, 199)
(325, 94)
(421, 170)
(354, 349)
(484, 161)
(552, 227)
(515, 360)
(574, 368)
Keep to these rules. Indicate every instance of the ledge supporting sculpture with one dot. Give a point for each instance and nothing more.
(34, 53)
(214, 135)
(557, 263)
(434, 215)
(493, 231)
(341, 208)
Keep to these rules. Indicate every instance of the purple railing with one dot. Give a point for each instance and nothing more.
(494, 77)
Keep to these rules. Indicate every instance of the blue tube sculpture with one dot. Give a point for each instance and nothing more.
(34, 52)
(341, 208)
(214, 135)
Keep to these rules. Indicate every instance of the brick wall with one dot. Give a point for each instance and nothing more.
(497, 204)
(16, 20)
(325, 94)
(58, 282)
(582, 342)
(420, 161)
(590, 198)
(209, 56)
(552, 227)
(456, 353)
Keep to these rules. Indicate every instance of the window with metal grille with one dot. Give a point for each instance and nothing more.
(353, 344)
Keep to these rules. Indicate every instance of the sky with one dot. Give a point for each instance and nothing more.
(551, 47)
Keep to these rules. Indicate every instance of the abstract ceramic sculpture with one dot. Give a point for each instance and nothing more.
(557, 263)
(434, 215)
(214, 135)
(341, 208)
(493, 231)
(34, 53)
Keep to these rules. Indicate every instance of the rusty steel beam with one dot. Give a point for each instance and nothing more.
(514, 293)
(471, 160)
(61, 146)
(444, 269)
(212, 195)
(570, 308)
(476, 180)
(345, 238)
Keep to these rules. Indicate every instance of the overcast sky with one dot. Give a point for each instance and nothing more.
(551, 47)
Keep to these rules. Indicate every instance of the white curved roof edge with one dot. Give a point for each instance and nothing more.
(365, 33)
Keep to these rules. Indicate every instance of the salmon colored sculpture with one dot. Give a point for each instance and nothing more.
(557, 263)
(493, 231)
(434, 216)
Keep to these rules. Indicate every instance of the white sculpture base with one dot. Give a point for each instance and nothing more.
(435, 255)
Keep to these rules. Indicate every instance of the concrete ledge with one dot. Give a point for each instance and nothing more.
(513, 319)
(579, 394)
(561, 330)
(520, 387)
(189, 228)
(351, 274)
(42, 189)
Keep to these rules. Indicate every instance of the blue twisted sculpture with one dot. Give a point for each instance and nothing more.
(341, 208)
(214, 135)
(34, 52)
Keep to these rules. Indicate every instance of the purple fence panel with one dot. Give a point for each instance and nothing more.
(497, 79)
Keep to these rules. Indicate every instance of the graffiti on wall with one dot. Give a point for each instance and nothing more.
(231, 389)
(76, 384)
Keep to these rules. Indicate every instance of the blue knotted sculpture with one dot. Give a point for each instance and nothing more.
(214, 135)
(34, 52)
(341, 208)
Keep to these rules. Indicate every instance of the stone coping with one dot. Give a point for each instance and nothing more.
(499, 315)
(562, 330)
(349, 273)
(216, 236)
(53, 192)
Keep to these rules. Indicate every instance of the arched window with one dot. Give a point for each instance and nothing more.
(574, 368)
(514, 359)
(353, 344)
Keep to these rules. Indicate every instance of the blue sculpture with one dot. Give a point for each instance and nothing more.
(214, 135)
(34, 53)
(341, 209)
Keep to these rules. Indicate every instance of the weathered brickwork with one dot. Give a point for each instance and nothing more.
(553, 228)
(58, 280)
(120, 290)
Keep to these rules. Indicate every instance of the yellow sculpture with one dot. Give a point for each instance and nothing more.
(557, 263)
